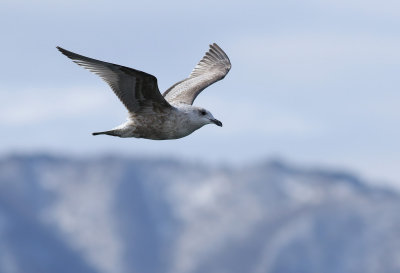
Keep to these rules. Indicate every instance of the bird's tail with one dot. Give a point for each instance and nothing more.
(110, 133)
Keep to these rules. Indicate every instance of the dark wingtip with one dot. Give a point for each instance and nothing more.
(67, 53)
(62, 50)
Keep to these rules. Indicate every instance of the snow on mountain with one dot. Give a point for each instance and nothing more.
(115, 214)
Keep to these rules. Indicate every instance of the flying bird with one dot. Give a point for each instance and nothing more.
(153, 115)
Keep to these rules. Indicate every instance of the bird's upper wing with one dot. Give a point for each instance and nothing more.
(213, 67)
(137, 90)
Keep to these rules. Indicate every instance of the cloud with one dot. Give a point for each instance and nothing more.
(33, 105)
(249, 115)
(314, 55)
(368, 7)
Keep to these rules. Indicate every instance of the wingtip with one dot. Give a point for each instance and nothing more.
(214, 45)
(62, 50)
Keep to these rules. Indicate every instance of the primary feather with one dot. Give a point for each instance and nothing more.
(212, 67)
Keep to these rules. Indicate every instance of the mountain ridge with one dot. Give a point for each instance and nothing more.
(118, 214)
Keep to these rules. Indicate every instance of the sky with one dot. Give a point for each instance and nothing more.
(312, 82)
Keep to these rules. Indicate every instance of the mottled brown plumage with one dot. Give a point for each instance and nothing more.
(152, 115)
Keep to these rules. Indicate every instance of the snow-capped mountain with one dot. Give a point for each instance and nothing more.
(115, 215)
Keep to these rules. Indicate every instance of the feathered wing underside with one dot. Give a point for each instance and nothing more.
(212, 67)
(137, 90)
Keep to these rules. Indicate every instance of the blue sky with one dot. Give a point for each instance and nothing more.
(315, 82)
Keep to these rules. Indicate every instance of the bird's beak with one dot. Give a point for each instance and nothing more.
(216, 122)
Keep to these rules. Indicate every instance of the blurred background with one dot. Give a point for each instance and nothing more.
(303, 177)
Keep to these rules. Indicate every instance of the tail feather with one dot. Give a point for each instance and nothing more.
(110, 133)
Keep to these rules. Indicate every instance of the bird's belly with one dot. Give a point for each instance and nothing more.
(159, 129)
(165, 133)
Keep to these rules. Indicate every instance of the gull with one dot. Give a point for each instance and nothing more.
(153, 115)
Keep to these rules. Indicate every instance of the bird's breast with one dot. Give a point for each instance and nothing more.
(171, 125)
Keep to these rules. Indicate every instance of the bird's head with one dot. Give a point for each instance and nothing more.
(202, 117)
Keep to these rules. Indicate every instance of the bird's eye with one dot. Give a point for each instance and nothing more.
(203, 113)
